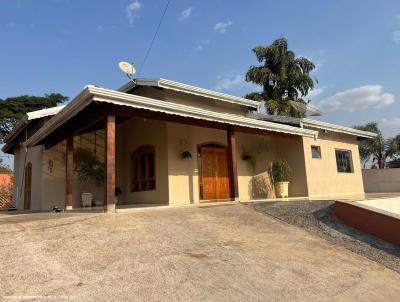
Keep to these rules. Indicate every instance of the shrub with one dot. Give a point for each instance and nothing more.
(281, 171)
(91, 172)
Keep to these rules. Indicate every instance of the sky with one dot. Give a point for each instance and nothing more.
(62, 45)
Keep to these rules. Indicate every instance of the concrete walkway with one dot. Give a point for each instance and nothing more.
(225, 253)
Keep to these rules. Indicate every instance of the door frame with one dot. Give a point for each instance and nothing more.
(200, 169)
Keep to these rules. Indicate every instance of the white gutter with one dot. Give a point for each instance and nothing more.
(92, 93)
(185, 88)
(337, 128)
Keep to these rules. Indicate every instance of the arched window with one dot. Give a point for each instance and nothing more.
(143, 169)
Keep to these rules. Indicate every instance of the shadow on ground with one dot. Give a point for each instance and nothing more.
(317, 217)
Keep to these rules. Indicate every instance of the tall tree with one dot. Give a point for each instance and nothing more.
(12, 109)
(379, 148)
(282, 76)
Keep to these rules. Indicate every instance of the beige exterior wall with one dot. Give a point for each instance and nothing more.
(324, 181)
(254, 181)
(22, 158)
(381, 180)
(53, 184)
(253, 176)
(177, 179)
(291, 150)
(86, 146)
(131, 135)
(183, 174)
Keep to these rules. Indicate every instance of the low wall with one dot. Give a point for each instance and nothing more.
(381, 180)
(378, 224)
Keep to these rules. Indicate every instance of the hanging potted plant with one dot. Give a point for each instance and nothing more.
(250, 160)
(281, 175)
(90, 171)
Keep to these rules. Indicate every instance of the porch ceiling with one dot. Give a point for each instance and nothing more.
(88, 109)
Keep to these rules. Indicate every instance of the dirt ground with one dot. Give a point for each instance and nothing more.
(225, 253)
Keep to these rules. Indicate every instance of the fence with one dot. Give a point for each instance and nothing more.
(381, 180)
(6, 187)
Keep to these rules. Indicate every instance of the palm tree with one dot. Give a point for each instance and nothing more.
(379, 148)
(282, 76)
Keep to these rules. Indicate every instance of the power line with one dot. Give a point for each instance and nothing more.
(154, 37)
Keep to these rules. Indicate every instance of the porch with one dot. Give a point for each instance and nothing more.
(160, 162)
(155, 157)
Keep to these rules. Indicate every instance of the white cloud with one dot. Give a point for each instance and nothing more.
(200, 47)
(104, 28)
(131, 10)
(396, 36)
(315, 92)
(390, 126)
(11, 24)
(231, 82)
(369, 96)
(186, 13)
(222, 27)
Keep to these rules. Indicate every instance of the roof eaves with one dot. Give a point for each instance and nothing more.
(337, 128)
(67, 112)
(92, 93)
(168, 84)
(17, 129)
(119, 98)
(25, 120)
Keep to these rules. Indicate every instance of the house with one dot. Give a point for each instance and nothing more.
(164, 142)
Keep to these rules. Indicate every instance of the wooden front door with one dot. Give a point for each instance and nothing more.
(28, 186)
(214, 173)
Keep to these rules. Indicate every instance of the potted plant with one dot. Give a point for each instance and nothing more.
(281, 175)
(186, 154)
(90, 171)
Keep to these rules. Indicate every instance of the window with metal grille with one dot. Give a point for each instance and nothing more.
(143, 174)
(344, 161)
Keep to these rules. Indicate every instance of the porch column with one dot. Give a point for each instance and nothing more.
(109, 198)
(69, 173)
(232, 164)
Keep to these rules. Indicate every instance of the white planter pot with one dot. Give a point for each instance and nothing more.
(282, 189)
(98, 203)
(87, 199)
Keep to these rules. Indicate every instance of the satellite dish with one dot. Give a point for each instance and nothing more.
(128, 69)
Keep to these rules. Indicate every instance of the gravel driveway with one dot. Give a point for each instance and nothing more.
(225, 253)
(318, 217)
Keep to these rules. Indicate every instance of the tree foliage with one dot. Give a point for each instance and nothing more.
(379, 148)
(282, 76)
(4, 168)
(14, 108)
